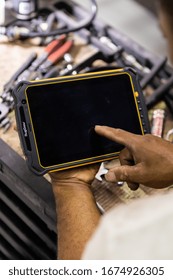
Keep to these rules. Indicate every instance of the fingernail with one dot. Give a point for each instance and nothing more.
(110, 176)
(133, 187)
(97, 126)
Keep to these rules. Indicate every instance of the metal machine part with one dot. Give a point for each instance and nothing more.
(28, 220)
(112, 47)
(24, 9)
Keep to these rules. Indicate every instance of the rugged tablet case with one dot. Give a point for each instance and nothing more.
(24, 126)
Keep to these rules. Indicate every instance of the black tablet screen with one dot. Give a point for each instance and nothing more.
(64, 114)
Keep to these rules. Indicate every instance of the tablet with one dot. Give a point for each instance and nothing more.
(56, 117)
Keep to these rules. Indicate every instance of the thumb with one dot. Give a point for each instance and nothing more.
(124, 173)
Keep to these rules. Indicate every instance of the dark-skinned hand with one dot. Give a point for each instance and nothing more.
(146, 159)
(85, 174)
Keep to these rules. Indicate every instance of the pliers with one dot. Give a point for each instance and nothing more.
(34, 67)
(51, 55)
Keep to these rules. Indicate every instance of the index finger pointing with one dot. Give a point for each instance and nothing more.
(115, 134)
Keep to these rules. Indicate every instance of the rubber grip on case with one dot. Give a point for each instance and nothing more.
(25, 129)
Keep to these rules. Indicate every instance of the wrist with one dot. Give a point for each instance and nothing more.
(82, 174)
(71, 191)
(71, 185)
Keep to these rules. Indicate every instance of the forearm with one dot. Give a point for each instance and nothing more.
(77, 216)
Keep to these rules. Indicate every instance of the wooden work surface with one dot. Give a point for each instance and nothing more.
(12, 56)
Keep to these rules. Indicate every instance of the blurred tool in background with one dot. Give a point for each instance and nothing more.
(112, 49)
(34, 68)
(24, 10)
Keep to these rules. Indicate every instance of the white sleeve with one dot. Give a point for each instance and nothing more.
(140, 230)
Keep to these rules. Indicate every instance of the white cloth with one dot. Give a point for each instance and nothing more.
(142, 229)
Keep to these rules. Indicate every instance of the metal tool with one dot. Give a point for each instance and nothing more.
(132, 61)
(24, 9)
(29, 9)
(128, 58)
(35, 67)
(6, 98)
(8, 87)
(159, 93)
(102, 172)
(69, 61)
(55, 56)
(153, 72)
(81, 66)
(48, 51)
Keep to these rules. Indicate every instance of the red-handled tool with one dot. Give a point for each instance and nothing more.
(50, 49)
(56, 55)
